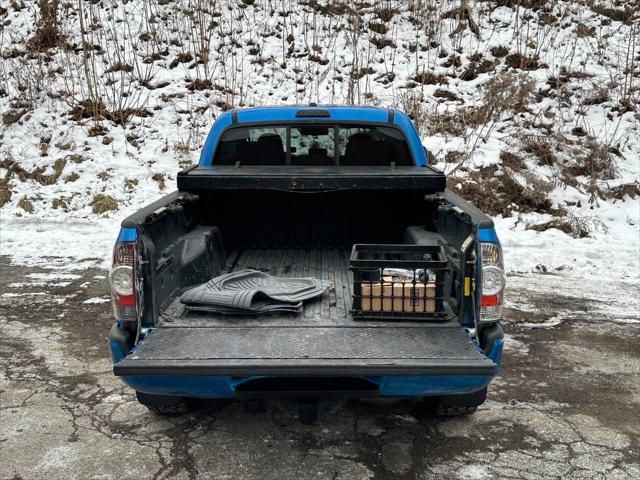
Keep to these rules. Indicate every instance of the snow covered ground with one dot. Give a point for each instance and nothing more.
(89, 135)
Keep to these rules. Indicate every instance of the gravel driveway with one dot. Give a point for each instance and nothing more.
(566, 404)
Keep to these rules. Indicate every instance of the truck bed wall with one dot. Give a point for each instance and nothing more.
(186, 242)
(314, 220)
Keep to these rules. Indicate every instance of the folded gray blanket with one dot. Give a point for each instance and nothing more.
(253, 292)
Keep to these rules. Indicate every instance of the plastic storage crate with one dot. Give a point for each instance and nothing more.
(400, 282)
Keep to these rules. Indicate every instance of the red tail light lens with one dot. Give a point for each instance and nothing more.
(493, 282)
(121, 280)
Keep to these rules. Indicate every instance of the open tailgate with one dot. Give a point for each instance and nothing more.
(359, 350)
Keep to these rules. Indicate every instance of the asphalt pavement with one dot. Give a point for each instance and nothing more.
(566, 404)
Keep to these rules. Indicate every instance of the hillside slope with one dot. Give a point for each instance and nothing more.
(530, 106)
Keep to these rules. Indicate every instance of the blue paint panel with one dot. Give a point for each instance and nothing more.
(183, 385)
(415, 144)
(488, 235)
(424, 386)
(116, 352)
(336, 114)
(210, 143)
(224, 387)
(496, 352)
(127, 235)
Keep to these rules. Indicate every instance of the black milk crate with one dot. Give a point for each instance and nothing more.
(399, 282)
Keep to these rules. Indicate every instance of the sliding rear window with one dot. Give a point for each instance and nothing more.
(314, 145)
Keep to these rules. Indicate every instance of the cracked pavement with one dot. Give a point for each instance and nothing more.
(566, 404)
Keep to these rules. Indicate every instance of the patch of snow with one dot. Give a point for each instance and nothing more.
(550, 323)
(97, 300)
(52, 276)
(475, 472)
(511, 344)
(24, 294)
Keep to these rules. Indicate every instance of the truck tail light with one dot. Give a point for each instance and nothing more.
(121, 281)
(493, 282)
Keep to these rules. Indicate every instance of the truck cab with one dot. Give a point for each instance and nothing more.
(342, 194)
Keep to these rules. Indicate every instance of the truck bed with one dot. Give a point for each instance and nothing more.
(331, 310)
(322, 340)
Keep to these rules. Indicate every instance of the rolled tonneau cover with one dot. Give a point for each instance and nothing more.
(293, 177)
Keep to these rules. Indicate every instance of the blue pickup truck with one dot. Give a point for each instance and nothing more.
(342, 194)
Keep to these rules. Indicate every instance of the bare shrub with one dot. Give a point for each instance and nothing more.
(14, 168)
(499, 51)
(101, 203)
(412, 103)
(5, 190)
(26, 205)
(571, 224)
(507, 193)
(430, 78)
(506, 93)
(541, 147)
(447, 123)
(464, 16)
(102, 79)
(13, 115)
(523, 62)
(600, 165)
(512, 161)
(596, 97)
(160, 178)
(47, 33)
(624, 14)
(600, 161)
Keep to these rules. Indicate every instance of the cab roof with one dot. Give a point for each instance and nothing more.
(313, 113)
(310, 112)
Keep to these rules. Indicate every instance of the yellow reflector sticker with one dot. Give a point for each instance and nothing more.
(467, 286)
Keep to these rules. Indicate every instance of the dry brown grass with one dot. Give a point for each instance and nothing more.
(571, 224)
(503, 194)
(541, 148)
(47, 33)
(26, 205)
(13, 168)
(506, 93)
(430, 78)
(103, 203)
(412, 103)
(159, 177)
(13, 115)
(5, 191)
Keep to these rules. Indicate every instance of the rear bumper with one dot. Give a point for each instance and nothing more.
(304, 367)
(212, 380)
(384, 386)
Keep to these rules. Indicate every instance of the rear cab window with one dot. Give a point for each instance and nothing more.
(313, 145)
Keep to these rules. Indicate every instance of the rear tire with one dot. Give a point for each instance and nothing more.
(163, 404)
(460, 405)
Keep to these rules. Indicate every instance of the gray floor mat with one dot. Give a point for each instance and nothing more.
(252, 291)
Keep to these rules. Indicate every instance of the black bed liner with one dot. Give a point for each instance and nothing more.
(331, 309)
(289, 177)
(321, 340)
